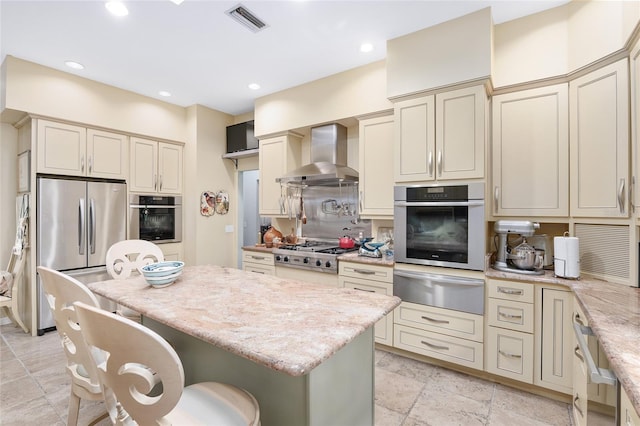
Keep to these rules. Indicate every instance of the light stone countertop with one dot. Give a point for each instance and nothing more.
(613, 312)
(286, 325)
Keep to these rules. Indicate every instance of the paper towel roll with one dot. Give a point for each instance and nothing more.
(566, 257)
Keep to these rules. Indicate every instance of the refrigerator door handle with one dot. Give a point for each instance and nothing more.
(81, 227)
(92, 226)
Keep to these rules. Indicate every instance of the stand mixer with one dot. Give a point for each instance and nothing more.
(527, 260)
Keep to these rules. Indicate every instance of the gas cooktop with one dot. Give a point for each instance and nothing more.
(312, 255)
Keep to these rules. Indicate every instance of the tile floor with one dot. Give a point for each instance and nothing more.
(34, 390)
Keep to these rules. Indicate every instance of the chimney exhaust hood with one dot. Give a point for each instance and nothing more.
(328, 160)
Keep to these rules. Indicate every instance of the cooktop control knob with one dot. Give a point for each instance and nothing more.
(305, 260)
(278, 258)
(286, 258)
(328, 264)
(318, 263)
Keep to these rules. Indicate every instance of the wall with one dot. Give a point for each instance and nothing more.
(40, 90)
(206, 241)
(8, 177)
(359, 91)
(560, 40)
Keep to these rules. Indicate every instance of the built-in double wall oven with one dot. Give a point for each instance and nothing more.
(155, 218)
(440, 226)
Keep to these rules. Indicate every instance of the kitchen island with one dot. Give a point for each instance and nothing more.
(305, 351)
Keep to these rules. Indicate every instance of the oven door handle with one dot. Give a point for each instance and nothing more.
(138, 206)
(445, 279)
(596, 374)
(470, 203)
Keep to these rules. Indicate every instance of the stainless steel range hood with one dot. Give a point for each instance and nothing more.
(328, 159)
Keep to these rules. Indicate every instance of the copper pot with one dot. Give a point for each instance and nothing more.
(271, 234)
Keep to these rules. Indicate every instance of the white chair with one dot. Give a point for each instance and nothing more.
(128, 346)
(10, 302)
(61, 292)
(127, 257)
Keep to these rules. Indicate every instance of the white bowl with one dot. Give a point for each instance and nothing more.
(163, 281)
(161, 269)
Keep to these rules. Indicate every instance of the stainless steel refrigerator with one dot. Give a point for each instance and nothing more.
(78, 220)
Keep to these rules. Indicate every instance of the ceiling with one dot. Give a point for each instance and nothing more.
(202, 56)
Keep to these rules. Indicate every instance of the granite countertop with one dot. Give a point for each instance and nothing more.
(613, 312)
(282, 324)
(355, 257)
(261, 249)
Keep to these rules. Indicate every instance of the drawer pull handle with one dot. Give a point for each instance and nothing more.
(258, 257)
(509, 316)
(510, 291)
(364, 289)
(431, 345)
(509, 355)
(577, 319)
(258, 272)
(577, 353)
(363, 271)
(437, 321)
(575, 405)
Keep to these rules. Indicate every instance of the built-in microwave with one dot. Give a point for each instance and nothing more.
(155, 218)
(440, 225)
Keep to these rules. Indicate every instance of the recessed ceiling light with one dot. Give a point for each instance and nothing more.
(254, 86)
(74, 65)
(178, 2)
(366, 47)
(117, 8)
(164, 93)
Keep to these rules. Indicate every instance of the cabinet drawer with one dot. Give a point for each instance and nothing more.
(510, 290)
(510, 354)
(512, 315)
(445, 321)
(384, 327)
(257, 257)
(367, 271)
(259, 269)
(440, 346)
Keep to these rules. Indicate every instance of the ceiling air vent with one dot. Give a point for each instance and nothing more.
(243, 15)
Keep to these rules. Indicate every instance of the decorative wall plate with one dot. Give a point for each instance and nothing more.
(222, 202)
(207, 203)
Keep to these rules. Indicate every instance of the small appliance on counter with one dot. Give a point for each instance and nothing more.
(370, 249)
(567, 256)
(522, 259)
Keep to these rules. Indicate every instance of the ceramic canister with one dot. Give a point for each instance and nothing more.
(566, 257)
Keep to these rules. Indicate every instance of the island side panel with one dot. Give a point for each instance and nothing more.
(342, 388)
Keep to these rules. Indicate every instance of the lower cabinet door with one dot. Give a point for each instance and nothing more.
(510, 354)
(439, 346)
(383, 328)
(580, 383)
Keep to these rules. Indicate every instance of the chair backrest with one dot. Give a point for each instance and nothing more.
(62, 291)
(132, 353)
(127, 256)
(15, 268)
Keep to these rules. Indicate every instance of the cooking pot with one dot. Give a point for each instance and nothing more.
(346, 242)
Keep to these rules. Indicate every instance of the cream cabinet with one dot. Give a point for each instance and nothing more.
(372, 279)
(66, 149)
(156, 167)
(172, 251)
(510, 325)
(442, 136)
(635, 122)
(530, 151)
(376, 167)
(259, 262)
(628, 414)
(599, 142)
(277, 156)
(554, 339)
(444, 334)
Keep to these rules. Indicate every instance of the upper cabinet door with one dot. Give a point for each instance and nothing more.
(107, 154)
(61, 149)
(144, 154)
(415, 140)
(599, 142)
(169, 168)
(530, 144)
(376, 167)
(278, 155)
(460, 133)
